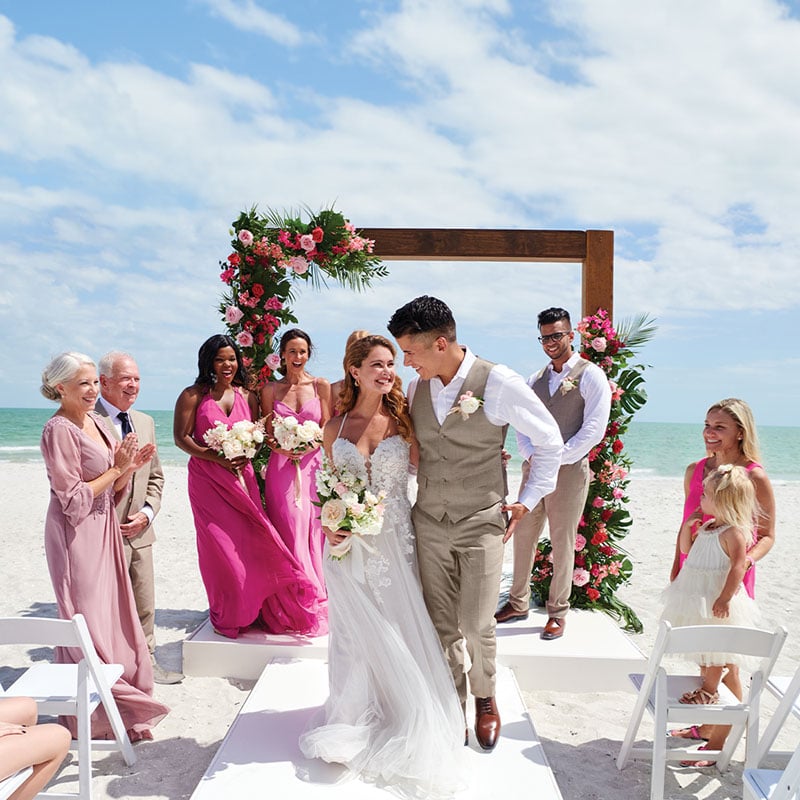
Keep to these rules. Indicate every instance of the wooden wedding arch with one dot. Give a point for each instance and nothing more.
(594, 250)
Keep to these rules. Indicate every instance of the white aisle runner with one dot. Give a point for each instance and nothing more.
(260, 757)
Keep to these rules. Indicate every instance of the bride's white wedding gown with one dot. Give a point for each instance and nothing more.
(393, 716)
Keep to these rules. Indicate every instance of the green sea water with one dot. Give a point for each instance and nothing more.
(657, 449)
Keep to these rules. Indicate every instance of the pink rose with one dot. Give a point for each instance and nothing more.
(598, 502)
(273, 303)
(298, 264)
(580, 542)
(245, 339)
(233, 315)
(273, 361)
(245, 237)
(580, 577)
(618, 494)
(599, 344)
(307, 242)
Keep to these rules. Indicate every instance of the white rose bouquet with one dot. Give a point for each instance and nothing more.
(243, 438)
(299, 438)
(467, 405)
(348, 504)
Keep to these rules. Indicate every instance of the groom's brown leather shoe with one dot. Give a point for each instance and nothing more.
(487, 722)
(554, 628)
(508, 613)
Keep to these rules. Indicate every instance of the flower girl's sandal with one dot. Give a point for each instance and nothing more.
(700, 697)
(699, 763)
(693, 732)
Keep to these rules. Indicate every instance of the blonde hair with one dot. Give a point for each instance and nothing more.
(734, 497)
(394, 402)
(742, 415)
(62, 368)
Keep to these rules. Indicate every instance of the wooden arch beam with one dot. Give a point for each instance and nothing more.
(594, 250)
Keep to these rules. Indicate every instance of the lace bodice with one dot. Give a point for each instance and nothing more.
(386, 470)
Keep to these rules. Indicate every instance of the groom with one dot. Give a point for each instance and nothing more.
(461, 406)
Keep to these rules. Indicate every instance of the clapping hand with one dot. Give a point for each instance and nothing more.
(143, 455)
(126, 452)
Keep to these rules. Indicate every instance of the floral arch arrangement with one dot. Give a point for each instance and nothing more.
(271, 254)
(601, 565)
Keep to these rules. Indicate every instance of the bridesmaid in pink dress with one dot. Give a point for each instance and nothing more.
(289, 491)
(83, 542)
(250, 576)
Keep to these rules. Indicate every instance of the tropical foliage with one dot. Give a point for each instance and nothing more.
(271, 254)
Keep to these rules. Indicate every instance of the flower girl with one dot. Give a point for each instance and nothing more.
(708, 590)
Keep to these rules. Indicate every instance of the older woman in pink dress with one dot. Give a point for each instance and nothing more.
(249, 574)
(83, 542)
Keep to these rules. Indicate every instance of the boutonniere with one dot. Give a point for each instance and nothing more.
(467, 405)
(568, 384)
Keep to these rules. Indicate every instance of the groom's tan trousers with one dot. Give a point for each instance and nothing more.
(460, 567)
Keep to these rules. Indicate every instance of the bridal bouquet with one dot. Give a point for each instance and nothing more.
(243, 438)
(298, 438)
(348, 504)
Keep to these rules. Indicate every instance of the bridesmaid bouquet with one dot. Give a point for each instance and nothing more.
(298, 438)
(348, 504)
(243, 438)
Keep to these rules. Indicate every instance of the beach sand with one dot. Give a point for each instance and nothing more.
(581, 732)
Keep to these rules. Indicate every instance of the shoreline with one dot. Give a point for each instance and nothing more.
(581, 732)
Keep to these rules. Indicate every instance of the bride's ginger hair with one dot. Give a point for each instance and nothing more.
(394, 402)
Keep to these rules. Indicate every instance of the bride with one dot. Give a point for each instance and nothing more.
(393, 717)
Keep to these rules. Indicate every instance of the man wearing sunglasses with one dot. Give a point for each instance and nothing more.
(577, 394)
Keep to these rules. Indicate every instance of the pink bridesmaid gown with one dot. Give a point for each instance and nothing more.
(289, 498)
(249, 574)
(87, 567)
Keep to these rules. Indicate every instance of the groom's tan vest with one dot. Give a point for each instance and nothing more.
(460, 464)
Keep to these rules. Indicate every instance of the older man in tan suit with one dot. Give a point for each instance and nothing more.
(136, 509)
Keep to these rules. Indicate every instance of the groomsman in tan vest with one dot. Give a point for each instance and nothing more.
(461, 406)
(577, 394)
(136, 509)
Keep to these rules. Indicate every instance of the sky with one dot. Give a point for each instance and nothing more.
(132, 134)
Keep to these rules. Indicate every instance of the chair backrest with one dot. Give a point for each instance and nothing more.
(53, 633)
(40, 630)
(722, 639)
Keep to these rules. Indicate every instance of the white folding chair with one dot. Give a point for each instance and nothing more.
(660, 692)
(74, 690)
(773, 784)
(13, 782)
(787, 690)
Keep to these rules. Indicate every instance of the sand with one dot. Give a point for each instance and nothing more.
(581, 732)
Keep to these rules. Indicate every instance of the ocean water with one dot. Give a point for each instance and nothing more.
(657, 449)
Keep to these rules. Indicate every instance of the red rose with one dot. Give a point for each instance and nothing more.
(606, 514)
(234, 259)
(599, 537)
(617, 446)
(257, 289)
(592, 594)
(317, 234)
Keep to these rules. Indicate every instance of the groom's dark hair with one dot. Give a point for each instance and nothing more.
(423, 315)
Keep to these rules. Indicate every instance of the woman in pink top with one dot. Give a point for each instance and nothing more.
(730, 437)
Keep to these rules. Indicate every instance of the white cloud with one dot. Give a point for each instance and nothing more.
(249, 17)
